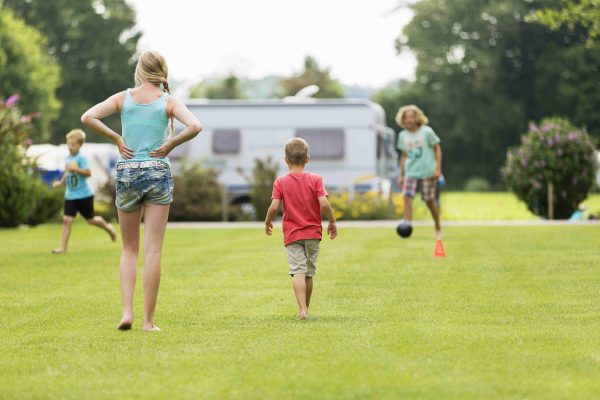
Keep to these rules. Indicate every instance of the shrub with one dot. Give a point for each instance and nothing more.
(198, 195)
(555, 152)
(264, 174)
(49, 203)
(372, 205)
(477, 185)
(16, 188)
(104, 201)
(23, 197)
(369, 205)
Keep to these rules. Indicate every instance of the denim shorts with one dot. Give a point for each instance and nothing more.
(136, 186)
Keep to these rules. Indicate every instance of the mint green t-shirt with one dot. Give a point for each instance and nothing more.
(144, 127)
(418, 147)
(77, 185)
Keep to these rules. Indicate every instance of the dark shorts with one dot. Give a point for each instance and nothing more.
(136, 186)
(84, 206)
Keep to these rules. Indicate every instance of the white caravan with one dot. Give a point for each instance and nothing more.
(350, 145)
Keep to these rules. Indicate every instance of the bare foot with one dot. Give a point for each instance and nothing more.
(58, 251)
(303, 314)
(152, 328)
(438, 234)
(112, 233)
(125, 324)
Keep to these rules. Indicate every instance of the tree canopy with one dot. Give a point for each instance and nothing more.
(27, 69)
(584, 13)
(313, 74)
(93, 41)
(484, 72)
(226, 88)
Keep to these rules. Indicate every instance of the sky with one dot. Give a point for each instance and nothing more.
(255, 38)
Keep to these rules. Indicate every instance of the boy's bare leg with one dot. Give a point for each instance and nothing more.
(66, 233)
(408, 201)
(130, 236)
(155, 224)
(309, 288)
(436, 218)
(101, 223)
(299, 283)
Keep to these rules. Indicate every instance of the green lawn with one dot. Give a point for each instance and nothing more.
(510, 313)
(473, 206)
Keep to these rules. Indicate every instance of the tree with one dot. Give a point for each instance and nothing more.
(313, 74)
(585, 13)
(94, 41)
(227, 88)
(484, 72)
(27, 69)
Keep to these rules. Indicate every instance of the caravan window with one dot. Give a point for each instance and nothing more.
(324, 144)
(226, 141)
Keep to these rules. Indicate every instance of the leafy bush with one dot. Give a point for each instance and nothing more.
(372, 205)
(198, 195)
(48, 204)
(477, 185)
(555, 152)
(16, 188)
(104, 201)
(23, 197)
(264, 174)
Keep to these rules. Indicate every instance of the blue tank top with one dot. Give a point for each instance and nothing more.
(144, 127)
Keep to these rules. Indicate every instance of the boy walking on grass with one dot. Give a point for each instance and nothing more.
(304, 197)
(78, 194)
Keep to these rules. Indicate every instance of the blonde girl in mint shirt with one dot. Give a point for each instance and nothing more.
(144, 182)
(420, 162)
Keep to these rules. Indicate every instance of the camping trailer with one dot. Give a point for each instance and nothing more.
(350, 145)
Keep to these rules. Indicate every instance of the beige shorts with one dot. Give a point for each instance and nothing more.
(302, 256)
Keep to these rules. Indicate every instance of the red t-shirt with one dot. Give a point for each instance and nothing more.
(300, 192)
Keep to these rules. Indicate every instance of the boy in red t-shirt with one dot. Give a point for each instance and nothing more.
(303, 196)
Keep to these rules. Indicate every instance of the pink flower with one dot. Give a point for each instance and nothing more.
(533, 127)
(548, 127)
(12, 101)
(26, 118)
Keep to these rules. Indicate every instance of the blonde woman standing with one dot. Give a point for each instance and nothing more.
(144, 183)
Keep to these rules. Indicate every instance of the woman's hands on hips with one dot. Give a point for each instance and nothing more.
(163, 150)
(125, 151)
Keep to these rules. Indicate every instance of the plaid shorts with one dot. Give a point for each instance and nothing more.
(426, 186)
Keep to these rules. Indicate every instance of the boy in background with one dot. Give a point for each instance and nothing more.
(78, 194)
(420, 162)
(303, 196)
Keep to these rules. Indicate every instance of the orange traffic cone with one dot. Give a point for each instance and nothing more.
(439, 249)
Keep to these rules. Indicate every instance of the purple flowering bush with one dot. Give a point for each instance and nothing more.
(24, 199)
(554, 151)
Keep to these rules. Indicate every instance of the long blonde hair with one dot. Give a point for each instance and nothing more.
(419, 115)
(152, 67)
